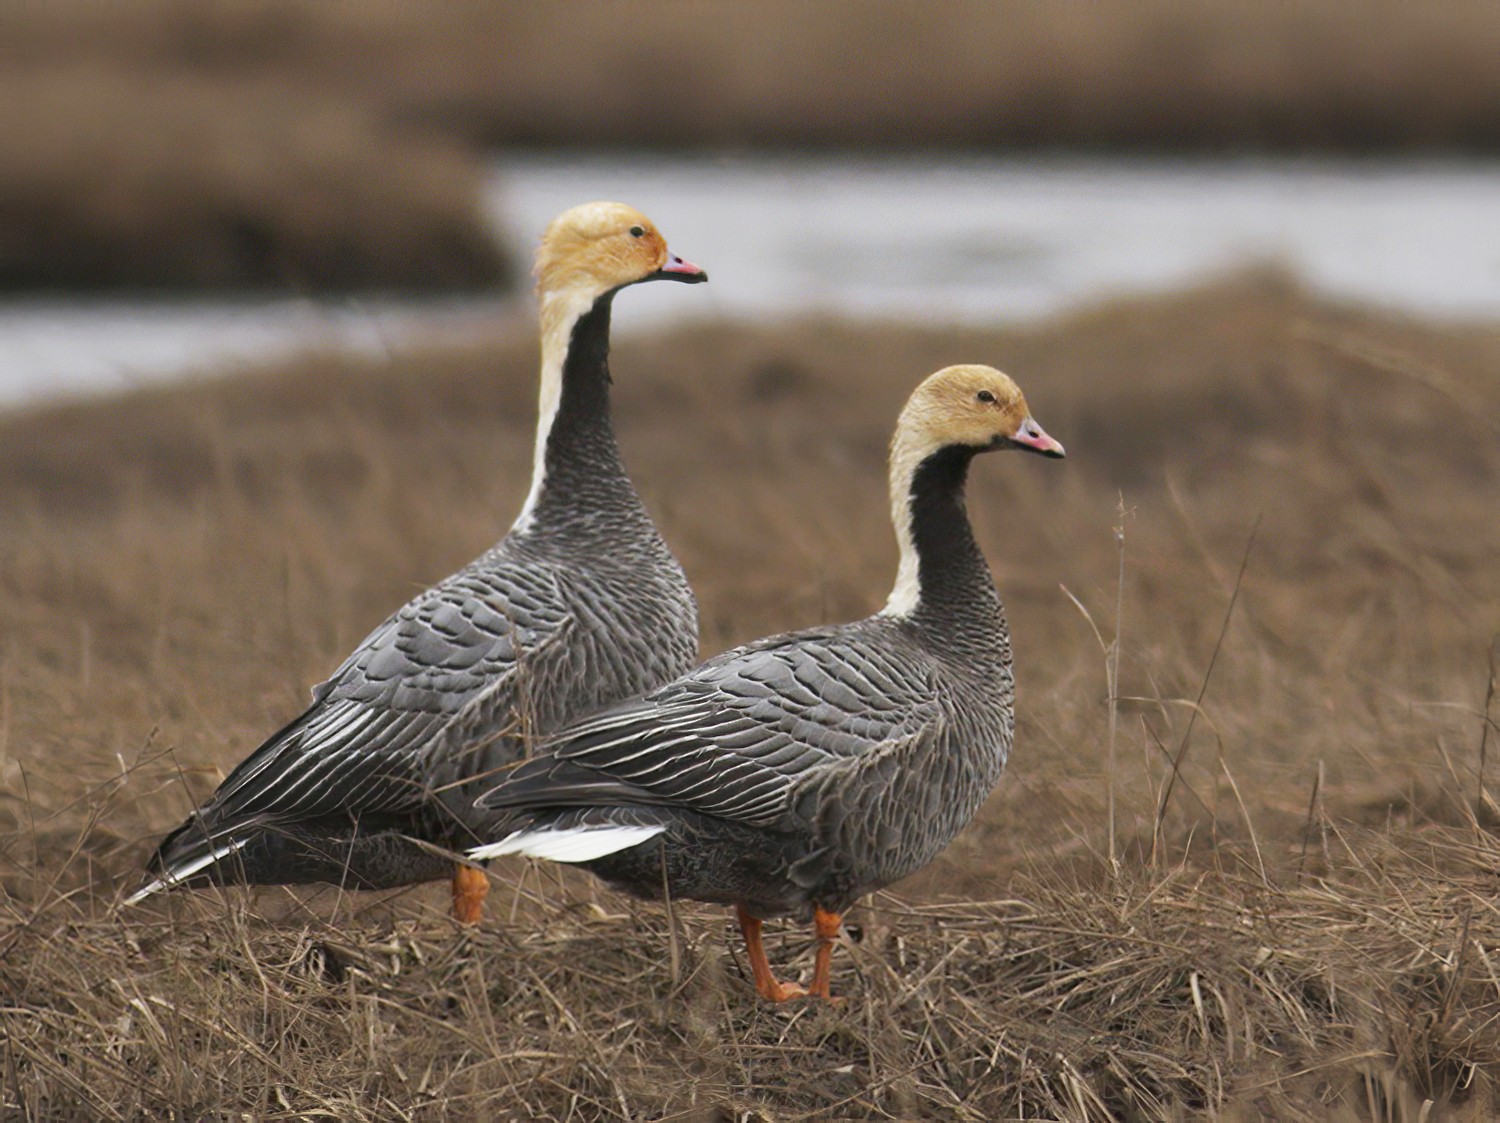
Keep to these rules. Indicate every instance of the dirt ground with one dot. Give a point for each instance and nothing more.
(1293, 917)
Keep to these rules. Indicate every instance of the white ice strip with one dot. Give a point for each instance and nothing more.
(173, 877)
(576, 844)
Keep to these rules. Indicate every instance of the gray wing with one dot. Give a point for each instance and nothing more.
(362, 745)
(731, 738)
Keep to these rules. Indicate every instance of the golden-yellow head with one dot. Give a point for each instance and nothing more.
(597, 247)
(973, 407)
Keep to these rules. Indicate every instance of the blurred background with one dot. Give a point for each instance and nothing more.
(186, 183)
(268, 366)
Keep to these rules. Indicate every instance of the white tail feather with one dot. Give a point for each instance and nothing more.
(574, 844)
(173, 877)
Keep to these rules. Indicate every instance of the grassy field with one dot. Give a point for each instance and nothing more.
(1294, 915)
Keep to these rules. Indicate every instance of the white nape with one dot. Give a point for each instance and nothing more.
(559, 312)
(908, 449)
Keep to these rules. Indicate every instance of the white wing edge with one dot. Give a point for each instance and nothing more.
(167, 880)
(575, 844)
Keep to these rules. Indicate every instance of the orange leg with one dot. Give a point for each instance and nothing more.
(469, 889)
(766, 984)
(826, 925)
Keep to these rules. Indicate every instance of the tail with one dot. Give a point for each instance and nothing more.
(568, 844)
(292, 810)
(187, 851)
(365, 852)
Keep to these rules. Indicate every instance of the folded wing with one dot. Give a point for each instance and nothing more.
(731, 738)
(363, 747)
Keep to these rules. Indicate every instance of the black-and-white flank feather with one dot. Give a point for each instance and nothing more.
(580, 605)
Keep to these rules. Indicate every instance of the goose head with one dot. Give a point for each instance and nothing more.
(953, 415)
(970, 407)
(595, 248)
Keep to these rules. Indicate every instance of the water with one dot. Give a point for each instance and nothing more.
(1000, 240)
(946, 238)
(55, 348)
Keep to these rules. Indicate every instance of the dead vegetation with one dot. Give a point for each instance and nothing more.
(168, 179)
(1299, 920)
(1149, 996)
(294, 144)
(857, 73)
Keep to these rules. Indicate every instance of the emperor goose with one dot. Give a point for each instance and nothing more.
(798, 773)
(581, 604)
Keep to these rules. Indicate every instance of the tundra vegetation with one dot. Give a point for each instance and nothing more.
(1243, 861)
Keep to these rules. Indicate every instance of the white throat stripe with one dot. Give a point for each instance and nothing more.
(560, 312)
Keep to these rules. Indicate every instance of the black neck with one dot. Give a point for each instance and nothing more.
(582, 462)
(955, 590)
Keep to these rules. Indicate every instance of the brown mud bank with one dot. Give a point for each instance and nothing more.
(175, 180)
(1299, 916)
(1157, 75)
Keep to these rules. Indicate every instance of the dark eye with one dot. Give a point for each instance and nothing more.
(985, 396)
(637, 231)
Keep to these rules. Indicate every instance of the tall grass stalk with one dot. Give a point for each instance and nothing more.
(1486, 722)
(1197, 705)
(1114, 682)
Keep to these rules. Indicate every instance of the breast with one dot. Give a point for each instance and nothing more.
(886, 817)
(630, 632)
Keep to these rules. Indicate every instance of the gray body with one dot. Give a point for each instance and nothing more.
(581, 605)
(807, 769)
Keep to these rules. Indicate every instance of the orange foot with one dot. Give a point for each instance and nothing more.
(766, 983)
(826, 925)
(469, 889)
(777, 991)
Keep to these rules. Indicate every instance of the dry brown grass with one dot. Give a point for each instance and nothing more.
(120, 178)
(1310, 933)
(1155, 74)
(300, 144)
